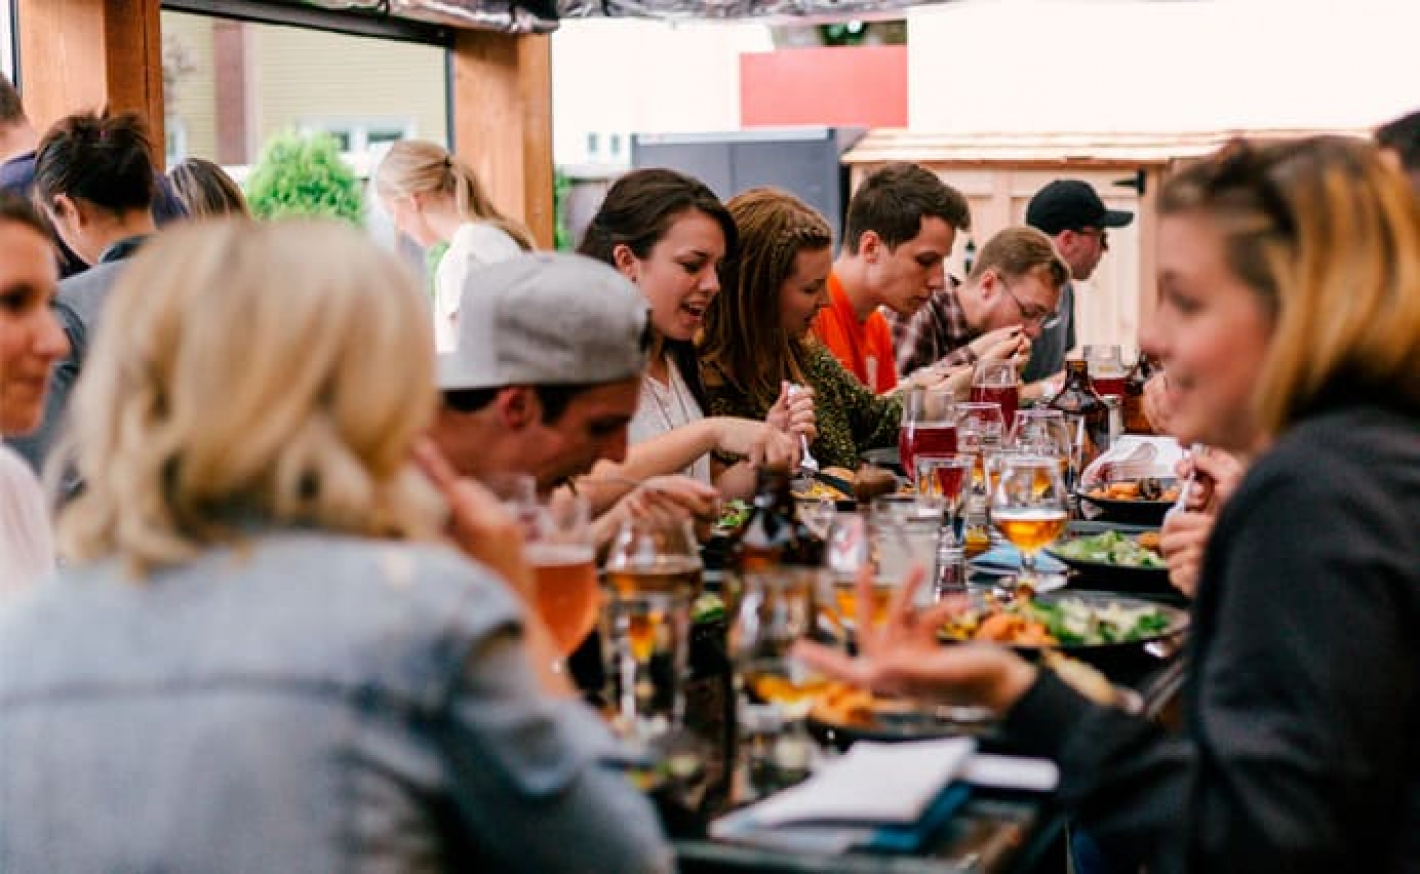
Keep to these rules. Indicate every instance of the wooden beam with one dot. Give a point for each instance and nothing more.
(502, 93)
(78, 55)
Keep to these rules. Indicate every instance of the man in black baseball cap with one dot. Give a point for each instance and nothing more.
(1071, 213)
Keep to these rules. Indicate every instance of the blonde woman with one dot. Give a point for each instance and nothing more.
(259, 626)
(434, 197)
(1289, 324)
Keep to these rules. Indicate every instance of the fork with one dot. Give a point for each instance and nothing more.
(807, 463)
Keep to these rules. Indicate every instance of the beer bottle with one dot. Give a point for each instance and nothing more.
(1135, 422)
(1086, 416)
(769, 534)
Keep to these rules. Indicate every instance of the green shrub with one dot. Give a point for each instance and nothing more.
(304, 176)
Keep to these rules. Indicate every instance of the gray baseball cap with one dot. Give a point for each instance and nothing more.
(546, 319)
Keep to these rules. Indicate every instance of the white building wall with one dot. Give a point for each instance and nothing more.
(612, 78)
(1106, 65)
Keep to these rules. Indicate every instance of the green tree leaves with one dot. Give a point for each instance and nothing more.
(304, 176)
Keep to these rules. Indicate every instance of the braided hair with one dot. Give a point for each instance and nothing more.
(745, 344)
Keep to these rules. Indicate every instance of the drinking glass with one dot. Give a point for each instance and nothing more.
(653, 573)
(848, 551)
(1106, 368)
(928, 425)
(979, 424)
(777, 608)
(904, 536)
(943, 483)
(1044, 432)
(1028, 507)
(997, 382)
(563, 559)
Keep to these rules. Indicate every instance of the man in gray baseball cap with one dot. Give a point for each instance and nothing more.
(547, 371)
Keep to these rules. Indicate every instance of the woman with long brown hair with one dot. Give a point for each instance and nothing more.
(757, 341)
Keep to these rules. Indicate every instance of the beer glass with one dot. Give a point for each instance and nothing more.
(1028, 507)
(997, 382)
(928, 425)
(560, 550)
(653, 573)
(1106, 369)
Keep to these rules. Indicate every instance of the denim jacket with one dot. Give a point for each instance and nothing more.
(301, 703)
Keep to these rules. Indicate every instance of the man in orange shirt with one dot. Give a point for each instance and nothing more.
(901, 224)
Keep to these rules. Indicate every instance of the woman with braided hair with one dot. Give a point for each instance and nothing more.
(757, 338)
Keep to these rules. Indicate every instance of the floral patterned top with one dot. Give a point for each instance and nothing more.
(850, 417)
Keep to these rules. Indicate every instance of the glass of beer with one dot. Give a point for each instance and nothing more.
(1106, 369)
(928, 425)
(776, 609)
(560, 550)
(997, 382)
(1028, 507)
(848, 551)
(653, 572)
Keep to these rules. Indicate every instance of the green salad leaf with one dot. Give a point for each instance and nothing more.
(1111, 547)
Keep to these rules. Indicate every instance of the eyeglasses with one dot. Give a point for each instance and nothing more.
(1036, 314)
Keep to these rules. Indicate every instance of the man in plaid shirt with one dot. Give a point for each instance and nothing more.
(1007, 301)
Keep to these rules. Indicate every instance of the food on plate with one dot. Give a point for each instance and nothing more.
(816, 490)
(842, 704)
(873, 481)
(1028, 621)
(1143, 489)
(733, 516)
(1112, 547)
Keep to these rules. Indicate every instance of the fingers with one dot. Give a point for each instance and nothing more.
(833, 663)
(435, 466)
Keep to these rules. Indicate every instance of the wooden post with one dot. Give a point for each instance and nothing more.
(502, 93)
(78, 55)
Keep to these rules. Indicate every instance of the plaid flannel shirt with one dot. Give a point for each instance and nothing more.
(936, 333)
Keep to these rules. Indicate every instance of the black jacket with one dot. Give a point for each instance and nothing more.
(1301, 746)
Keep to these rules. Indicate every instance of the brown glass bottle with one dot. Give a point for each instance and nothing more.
(1085, 414)
(1135, 422)
(774, 535)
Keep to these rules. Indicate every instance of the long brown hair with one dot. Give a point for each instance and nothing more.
(421, 167)
(1328, 236)
(745, 345)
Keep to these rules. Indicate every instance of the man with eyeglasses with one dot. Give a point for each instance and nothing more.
(1007, 301)
(1071, 213)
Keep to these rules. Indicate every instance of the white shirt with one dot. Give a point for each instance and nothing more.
(665, 407)
(474, 245)
(26, 543)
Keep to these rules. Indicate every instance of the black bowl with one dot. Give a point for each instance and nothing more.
(1136, 512)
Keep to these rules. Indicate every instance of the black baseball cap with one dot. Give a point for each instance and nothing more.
(1071, 204)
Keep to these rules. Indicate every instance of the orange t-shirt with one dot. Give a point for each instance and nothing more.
(865, 348)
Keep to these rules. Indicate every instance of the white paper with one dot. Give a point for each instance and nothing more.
(871, 783)
(1011, 772)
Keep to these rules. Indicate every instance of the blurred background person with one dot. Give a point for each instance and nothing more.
(669, 234)
(31, 342)
(757, 334)
(1289, 325)
(18, 142)
(261, 657)
(94, 180)
(899, 230)
(1071, 213)
(205, 190)
(434, 197)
